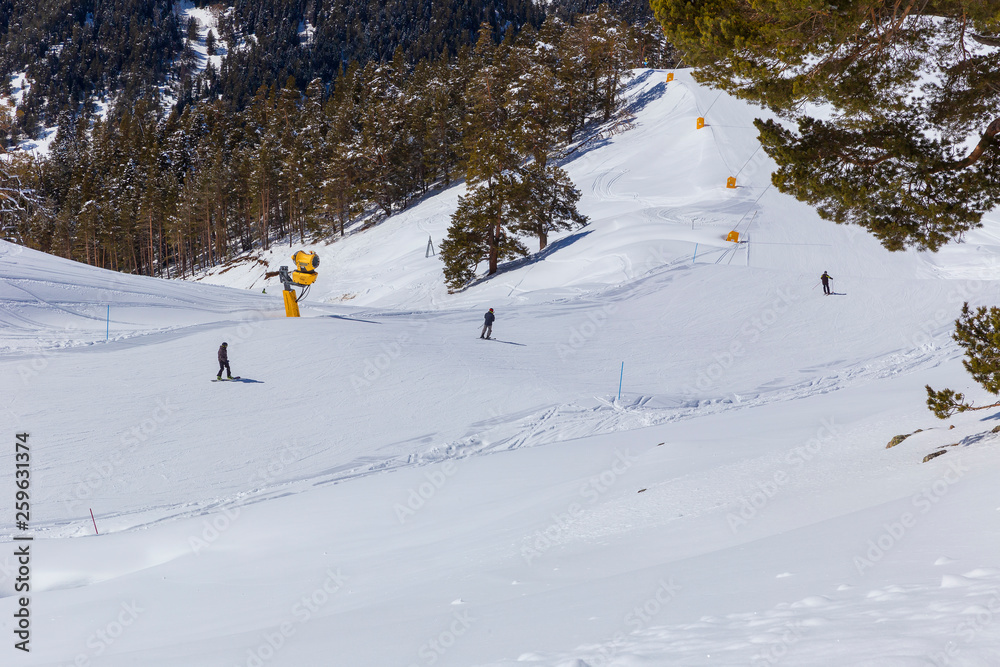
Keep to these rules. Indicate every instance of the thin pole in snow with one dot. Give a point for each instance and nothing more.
(695, 253)
(620, 378)
(107, 336)
(94, 520)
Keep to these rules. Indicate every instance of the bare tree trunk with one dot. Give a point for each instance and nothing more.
(151, 255)
(495, 247)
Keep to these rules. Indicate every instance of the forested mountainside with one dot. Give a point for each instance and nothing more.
(73, 50)
(247, 135)
(139, 48)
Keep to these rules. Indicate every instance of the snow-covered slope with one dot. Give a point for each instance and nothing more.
(385, 488)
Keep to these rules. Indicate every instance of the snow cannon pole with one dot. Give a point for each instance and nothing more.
(291, 304)
(621, 376)
(288, 293)
(94, 520)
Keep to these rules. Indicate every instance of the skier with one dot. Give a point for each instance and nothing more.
(224, 361)
(825, 279)
(488, 325)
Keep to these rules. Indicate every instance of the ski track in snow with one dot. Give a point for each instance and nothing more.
(557, 423)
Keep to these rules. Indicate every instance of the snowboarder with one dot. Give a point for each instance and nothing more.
(224, 361)
(825, 279)
(488, 325)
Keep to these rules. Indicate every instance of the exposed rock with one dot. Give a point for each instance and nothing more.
(933, 455)
(898, 439)
(996, 429)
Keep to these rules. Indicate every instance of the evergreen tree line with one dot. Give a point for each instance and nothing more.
(168, 197)
(346, 31)
(127, 49)
(70, 51)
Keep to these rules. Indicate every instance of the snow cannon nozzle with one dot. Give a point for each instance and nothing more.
(306, 263)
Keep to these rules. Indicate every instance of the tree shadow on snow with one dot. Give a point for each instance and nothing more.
(514, 264)
(593, 135)
(970, 440)
(644, 99)
(352, 319)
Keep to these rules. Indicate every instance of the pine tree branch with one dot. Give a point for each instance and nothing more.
(981, 407)
(984, 144)
(986, 40)
(873, 162)
(877, 39)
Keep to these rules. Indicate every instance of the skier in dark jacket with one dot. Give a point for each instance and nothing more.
(488, 325)
(224, 361)
(825, 279)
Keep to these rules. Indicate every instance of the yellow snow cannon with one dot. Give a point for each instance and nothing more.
(306, 262)
(303, 276)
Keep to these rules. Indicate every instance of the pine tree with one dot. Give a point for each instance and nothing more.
(482, 225)
(262, 153)
(19, 201)
(313, 152)
(475, 235)
(546, 198)
(536, 104)
(192, 29)
(384, 141)
(290, 170)
(546, 202)
(442, 127)
(978, 333)
(344, 169)
(608, 57)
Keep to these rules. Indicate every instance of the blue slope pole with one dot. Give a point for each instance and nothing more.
(107, 336)
(620, 377)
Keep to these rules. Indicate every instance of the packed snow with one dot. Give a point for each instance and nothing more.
(382, 487)
(207, 22)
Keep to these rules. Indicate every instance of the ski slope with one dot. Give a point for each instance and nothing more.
(385, 488)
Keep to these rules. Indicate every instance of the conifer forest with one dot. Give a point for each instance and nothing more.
(322, 118)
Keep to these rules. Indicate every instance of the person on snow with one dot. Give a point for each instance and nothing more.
(488, 325)
(825, 279)
(224, 361)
